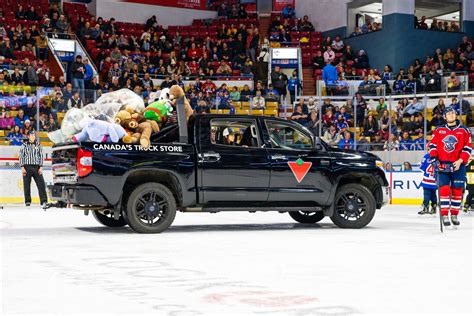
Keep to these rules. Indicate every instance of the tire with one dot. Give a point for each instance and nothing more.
(151, 208)
(109, 220)
(307, 217)
(354, 206)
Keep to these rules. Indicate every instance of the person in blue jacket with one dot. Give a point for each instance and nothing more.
(288, 12)
(429, 187)
(405, 142)
(399, 85)
(330, 77)
(15, 137)
(293, 84)
(346, 142)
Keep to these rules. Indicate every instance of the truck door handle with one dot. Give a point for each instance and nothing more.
(325, 162)
(279, 157)
(210, 156)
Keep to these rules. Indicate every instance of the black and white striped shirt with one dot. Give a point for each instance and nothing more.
(31, 154)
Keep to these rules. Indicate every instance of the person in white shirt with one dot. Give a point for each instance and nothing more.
(258, 101)
(312, 105)
(337, 44)
(329, 55)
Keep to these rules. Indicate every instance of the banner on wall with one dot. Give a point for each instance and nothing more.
(188, 4)
(406, 187)
(278, 5)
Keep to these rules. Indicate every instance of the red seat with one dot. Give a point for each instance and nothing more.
(94, 52)
(361, 72)
(305, 34)
(306, 61)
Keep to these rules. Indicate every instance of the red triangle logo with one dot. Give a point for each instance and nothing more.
(299, 168)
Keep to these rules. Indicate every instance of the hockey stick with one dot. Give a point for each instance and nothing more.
(439, 201)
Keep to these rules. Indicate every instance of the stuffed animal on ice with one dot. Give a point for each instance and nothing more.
(99, 131)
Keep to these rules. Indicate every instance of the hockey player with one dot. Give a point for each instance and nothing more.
(469, 203)
(429, 186)
(450, 149)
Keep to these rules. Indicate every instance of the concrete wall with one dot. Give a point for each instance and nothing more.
(325, 15)
(139, 13)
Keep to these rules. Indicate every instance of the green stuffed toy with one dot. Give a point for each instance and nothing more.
(159, 111)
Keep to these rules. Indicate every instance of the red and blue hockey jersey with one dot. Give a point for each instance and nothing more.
(449, 143)
(429, 180)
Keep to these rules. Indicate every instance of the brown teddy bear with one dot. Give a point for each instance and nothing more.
(145, 129)
(124, 119)
(177, 92)
(138, 128)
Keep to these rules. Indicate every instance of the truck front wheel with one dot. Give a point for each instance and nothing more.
(151, 208)
(354, 206)
(109, 220)
(307, 217)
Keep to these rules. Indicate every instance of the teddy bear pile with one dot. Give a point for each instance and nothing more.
(121, 116)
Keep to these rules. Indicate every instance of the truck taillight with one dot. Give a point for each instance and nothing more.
(84, 162)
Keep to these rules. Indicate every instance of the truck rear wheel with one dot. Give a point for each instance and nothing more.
(109, 220)
(354, 206)
(151, 208)
(307, 217)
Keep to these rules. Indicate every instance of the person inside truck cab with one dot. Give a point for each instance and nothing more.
(213, 135)
(228, 136)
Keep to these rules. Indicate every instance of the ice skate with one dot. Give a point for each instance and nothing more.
(454, 220)
(433, 208)
(446, 221)
(424, 210)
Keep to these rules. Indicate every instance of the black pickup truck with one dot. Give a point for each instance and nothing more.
(219, 163)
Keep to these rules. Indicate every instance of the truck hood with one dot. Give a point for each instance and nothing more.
(353, 157)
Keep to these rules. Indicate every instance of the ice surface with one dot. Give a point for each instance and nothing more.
(62, 262)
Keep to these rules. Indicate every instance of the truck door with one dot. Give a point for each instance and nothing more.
(299, 171)
(233, 165)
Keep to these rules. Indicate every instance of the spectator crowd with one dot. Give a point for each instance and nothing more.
(226, 47)
(376, 128)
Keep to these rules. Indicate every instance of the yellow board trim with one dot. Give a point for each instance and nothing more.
(17, 200)
(410, 201)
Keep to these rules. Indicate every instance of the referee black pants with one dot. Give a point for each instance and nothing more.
(32, 172)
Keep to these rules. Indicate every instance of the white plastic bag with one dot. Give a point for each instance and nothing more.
(105, 109)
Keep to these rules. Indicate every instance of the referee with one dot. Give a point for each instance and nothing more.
(31, 162)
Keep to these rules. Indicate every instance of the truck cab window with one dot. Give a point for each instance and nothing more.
(231, 132)
(287, 137)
